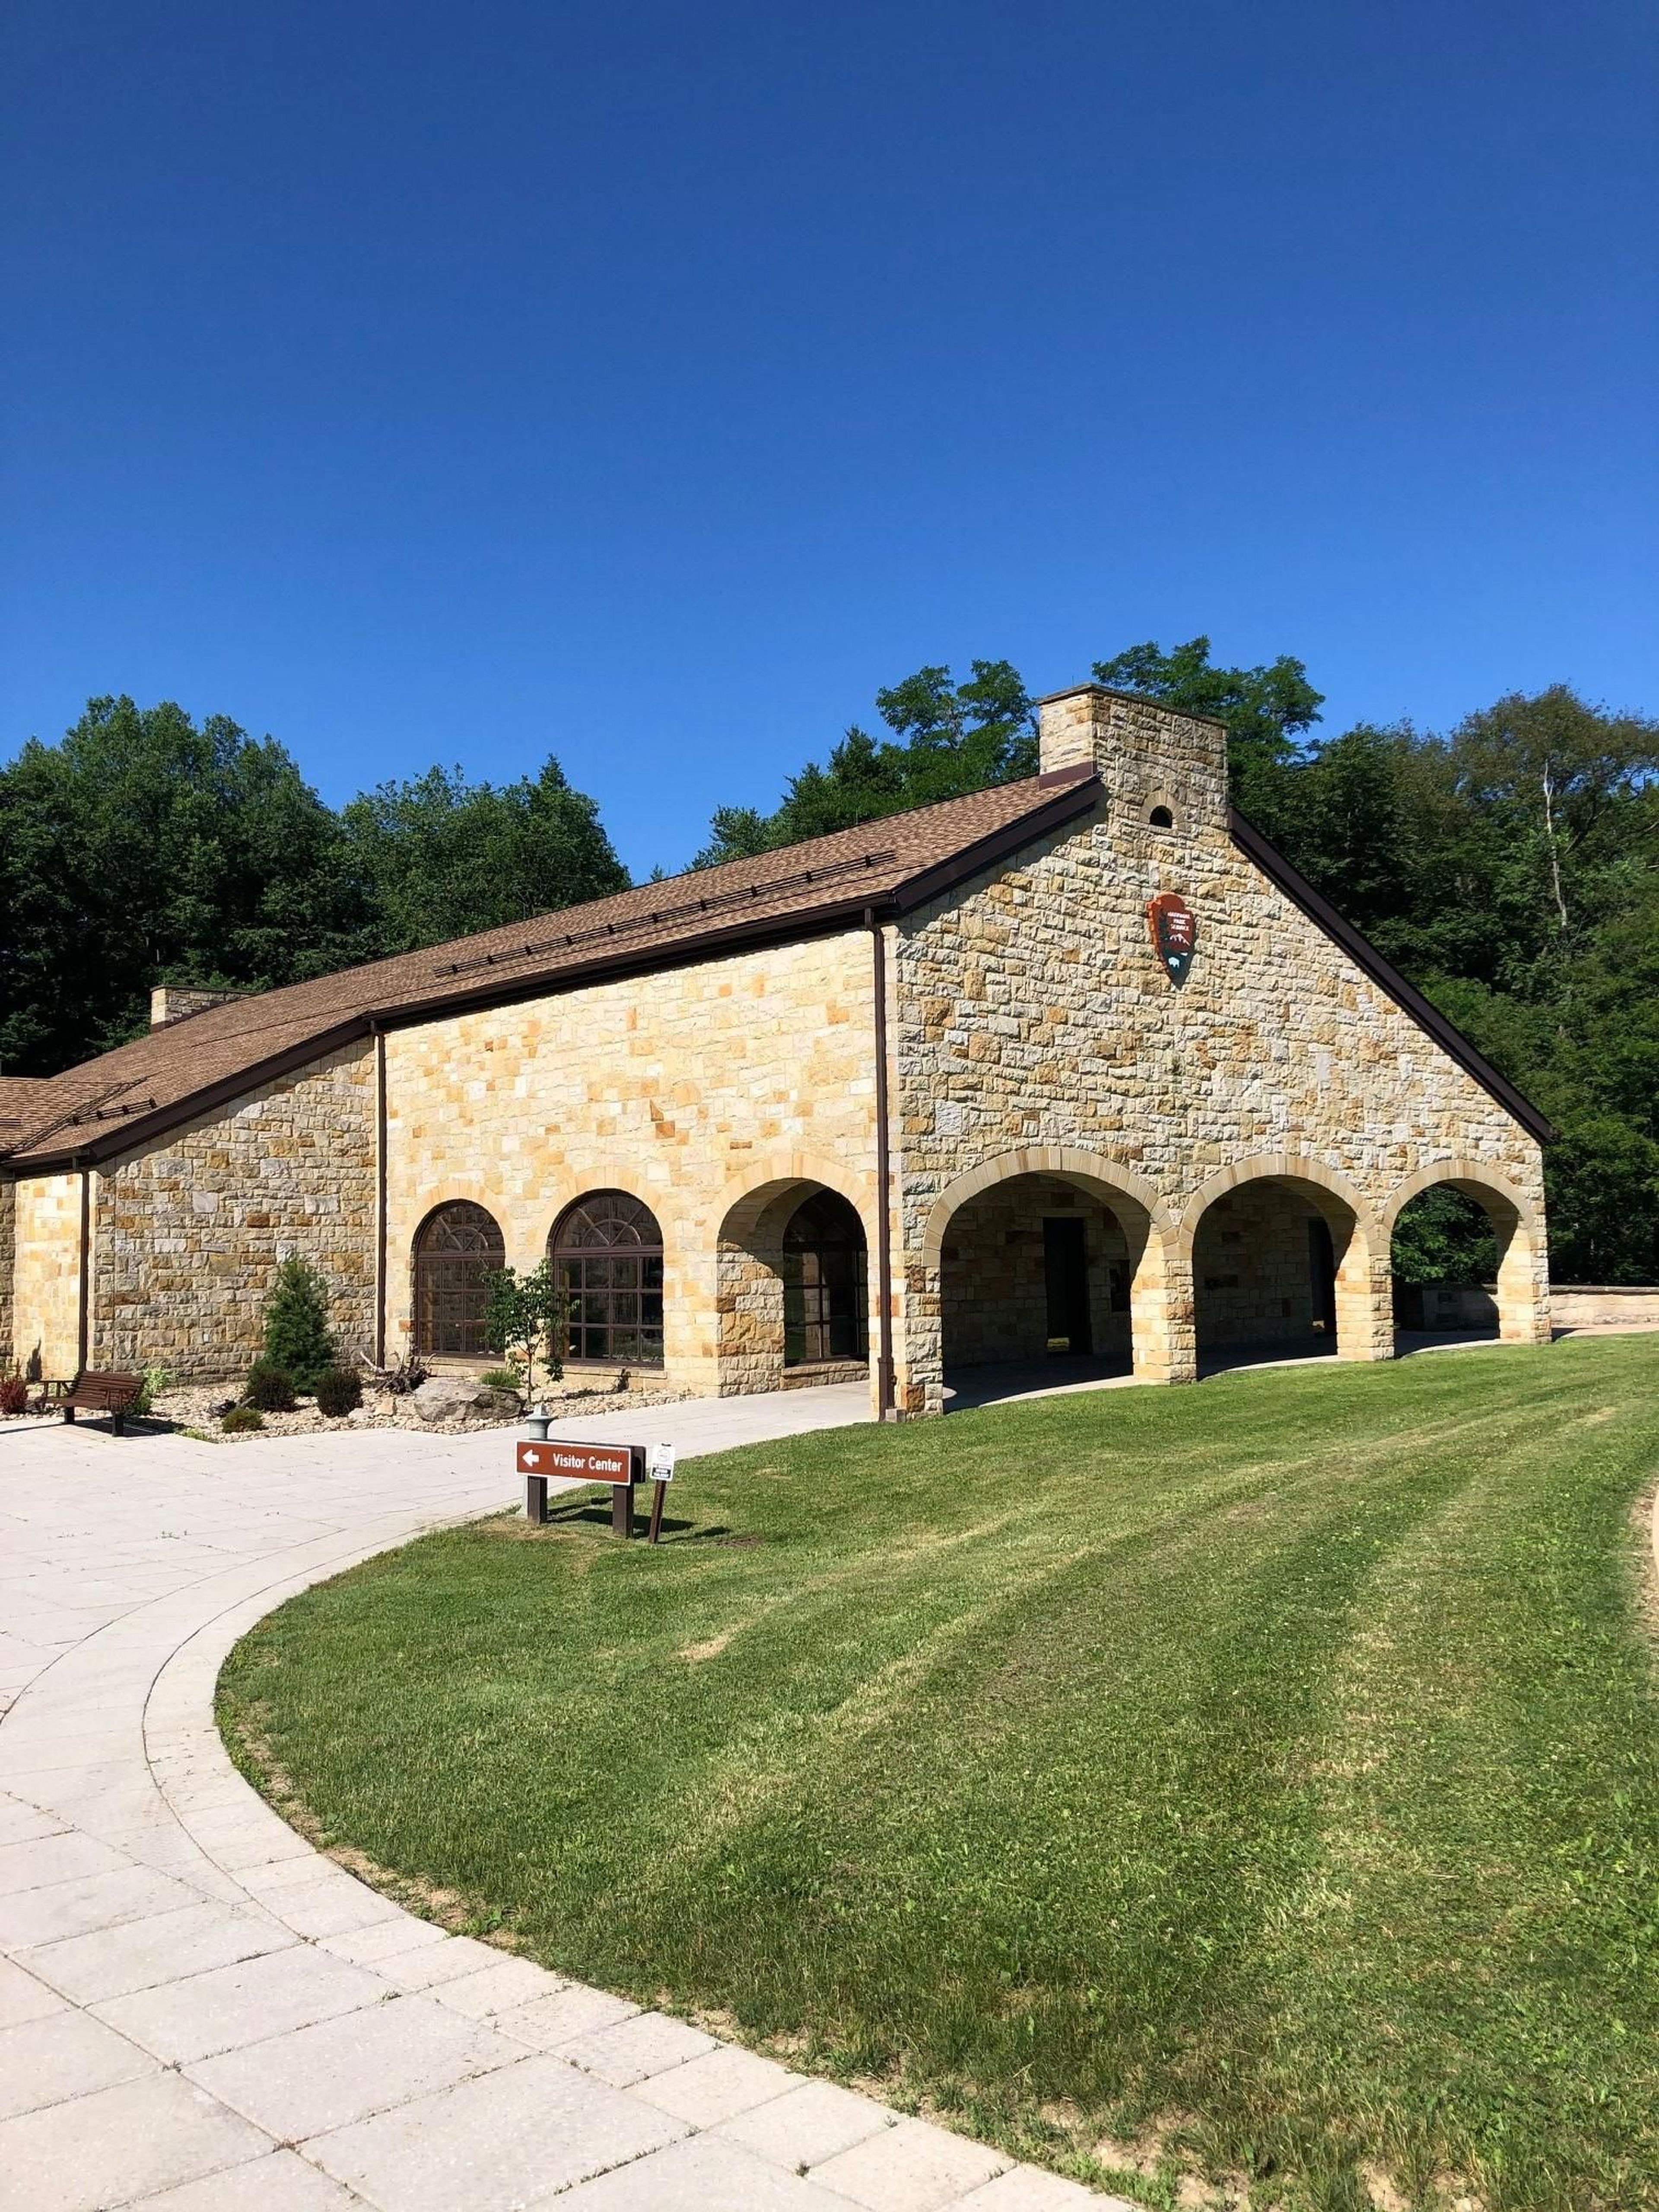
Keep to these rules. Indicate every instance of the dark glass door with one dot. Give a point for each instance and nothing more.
(1322, 1274)
(1066, 1277)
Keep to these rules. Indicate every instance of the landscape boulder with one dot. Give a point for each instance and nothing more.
(443, 1398)
(446, 1398)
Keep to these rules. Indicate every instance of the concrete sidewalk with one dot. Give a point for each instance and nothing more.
(200, 2013)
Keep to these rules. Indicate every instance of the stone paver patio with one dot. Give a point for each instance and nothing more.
(200, 2013)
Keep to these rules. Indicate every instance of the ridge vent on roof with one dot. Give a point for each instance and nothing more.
(659, 914)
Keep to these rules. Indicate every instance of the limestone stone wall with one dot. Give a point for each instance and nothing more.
(711, 1092)
(46, 1272)
(994, 1284)
(189, 1230)
(1033, 1017)
(8, 1261)
(1617, 1305)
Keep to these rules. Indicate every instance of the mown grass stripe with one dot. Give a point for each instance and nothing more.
(1271, 1779)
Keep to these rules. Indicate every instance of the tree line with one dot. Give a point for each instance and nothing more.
(1510, 867)
(142, 849)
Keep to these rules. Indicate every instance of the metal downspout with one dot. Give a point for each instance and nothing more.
(379, 1195)
(884, 1407)
(85, 1274)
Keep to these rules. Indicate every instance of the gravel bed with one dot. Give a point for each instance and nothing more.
(197, 1408)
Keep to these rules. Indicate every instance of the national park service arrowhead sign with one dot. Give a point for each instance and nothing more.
(1174, 932)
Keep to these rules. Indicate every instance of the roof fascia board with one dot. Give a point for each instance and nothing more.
(132, 1136)
(1076, 797)
(1427, 1016)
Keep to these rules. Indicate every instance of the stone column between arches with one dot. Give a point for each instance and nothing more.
(1365, 1295)
(1163, 1309)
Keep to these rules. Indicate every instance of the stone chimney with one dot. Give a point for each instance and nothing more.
(1152, 760)
(169, 1002)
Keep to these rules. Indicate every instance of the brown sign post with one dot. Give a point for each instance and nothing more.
(620, 1465)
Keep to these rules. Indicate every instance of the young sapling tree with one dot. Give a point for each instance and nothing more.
(525, 1319)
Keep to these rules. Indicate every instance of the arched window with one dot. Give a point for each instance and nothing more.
(607, 1254)
(457, 1250)
(826, 1301)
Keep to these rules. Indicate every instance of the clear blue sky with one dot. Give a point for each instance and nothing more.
(649, 384)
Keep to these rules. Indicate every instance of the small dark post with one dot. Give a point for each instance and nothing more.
(621, 1509)
(658, 1491)
(535, 1500)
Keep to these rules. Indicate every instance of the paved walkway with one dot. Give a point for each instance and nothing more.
(200, 2013)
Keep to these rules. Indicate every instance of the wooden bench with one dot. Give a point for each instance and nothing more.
(95, 1392)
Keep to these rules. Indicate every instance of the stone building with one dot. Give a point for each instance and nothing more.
(1077, 1069)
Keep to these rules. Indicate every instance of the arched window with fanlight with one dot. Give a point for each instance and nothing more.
(826, 1299)
(457, 1250)
(607, 1257)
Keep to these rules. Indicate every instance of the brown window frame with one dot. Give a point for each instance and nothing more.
(451, 1280)
(613, 1279)
(826, 1283)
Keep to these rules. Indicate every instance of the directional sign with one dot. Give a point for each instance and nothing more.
(577, 1463)
(542, 1461)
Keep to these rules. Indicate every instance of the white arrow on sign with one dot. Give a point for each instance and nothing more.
(532, 1459)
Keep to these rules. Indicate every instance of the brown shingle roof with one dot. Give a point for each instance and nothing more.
(19, 1095)
(108, 1105)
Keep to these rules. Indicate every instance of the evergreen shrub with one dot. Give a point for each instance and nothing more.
(269, 1389)
(242, 1420)
(297, 1336)
(338, 1393)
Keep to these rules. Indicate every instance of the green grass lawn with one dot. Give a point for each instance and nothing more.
(1264, 1774)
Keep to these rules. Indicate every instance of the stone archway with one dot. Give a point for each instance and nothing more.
(1002, 1242)
(1518, 1228)
(1287, 1258)
(795, 1296)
